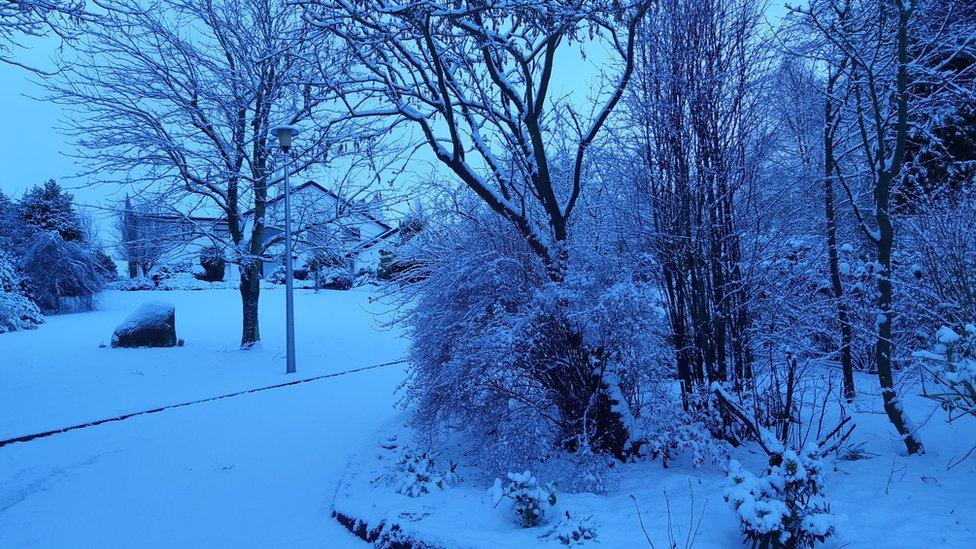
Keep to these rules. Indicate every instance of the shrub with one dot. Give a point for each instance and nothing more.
(17, 312)
(335, 278)
(952, 366)
(529, 499)
(417, 472)
(786, 506)
(213, 263)
(62, 275)
(573, 530)
(529, 368)
(329, 270)
(277, 276)
(107, 264)
(163, 273)
(132, 285)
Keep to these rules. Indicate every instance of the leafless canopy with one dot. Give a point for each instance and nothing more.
(475, 78)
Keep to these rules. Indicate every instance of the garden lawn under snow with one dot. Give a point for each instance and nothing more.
(267, 469)
(256, 470)
(910, 502)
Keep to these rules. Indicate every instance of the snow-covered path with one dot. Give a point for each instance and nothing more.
(257, 470)
(251, 471)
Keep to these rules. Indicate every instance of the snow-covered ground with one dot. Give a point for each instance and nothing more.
(257, 470)
(265, 469)
(887, 499)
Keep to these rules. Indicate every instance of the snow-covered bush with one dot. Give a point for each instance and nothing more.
(952, 365)
(277, 276)
(329, 270)
(63, 275)
(417, 472)
(786, 506)
(131, 284)
(162, 274)
(528, 367)
(572, 529)
(529, 499)
(679, 433)
(16, 311)
(333, 278)
(213, 263)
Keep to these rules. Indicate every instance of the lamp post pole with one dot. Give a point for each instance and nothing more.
(285, 135)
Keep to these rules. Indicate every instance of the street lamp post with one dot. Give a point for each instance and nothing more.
(285, 135)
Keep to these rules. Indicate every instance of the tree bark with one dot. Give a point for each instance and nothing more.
(830, 166)
(250, 292)
(886, 241)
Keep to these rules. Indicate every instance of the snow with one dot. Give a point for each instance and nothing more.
(256, 470)
(908, 502)
(62, 365)
(946, 336)
(266, 469)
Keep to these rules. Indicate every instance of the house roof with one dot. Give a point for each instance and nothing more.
(385, 226)
(373, 241)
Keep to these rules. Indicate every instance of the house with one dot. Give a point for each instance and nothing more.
(321, 221)
(324, 221)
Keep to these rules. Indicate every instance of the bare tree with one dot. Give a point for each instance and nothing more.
(700, 141)
(146, 234)
(180, 97)
(20, 19)
(888, 51)
(474, 78)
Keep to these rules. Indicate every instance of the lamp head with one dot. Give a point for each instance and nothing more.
(284, 134)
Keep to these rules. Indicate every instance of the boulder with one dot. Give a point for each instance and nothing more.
(153, 324)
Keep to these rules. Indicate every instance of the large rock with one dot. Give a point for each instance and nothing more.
(153, 324)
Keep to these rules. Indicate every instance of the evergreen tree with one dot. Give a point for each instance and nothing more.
(50, 208)
(9, 222)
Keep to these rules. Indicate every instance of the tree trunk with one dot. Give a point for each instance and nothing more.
(886, 242)
(830, 165)
(884, 346)
(250, 292)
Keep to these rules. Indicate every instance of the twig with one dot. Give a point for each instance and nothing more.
(641, 519)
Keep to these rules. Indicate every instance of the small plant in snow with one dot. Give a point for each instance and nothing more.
(954, 370)
(529, 500)
(572, 530)
(785, 507)
(417, 472)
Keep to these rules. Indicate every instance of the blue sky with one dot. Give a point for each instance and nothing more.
(32, 150)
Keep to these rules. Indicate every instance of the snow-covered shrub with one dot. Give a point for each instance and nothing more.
(679, 433)
(277, 276)
(333, 278)
(131, 285)
(109, 269)
(529, 499)
(63, 275)
(572, 529)
(213, 263)
(16, 311)
(417, 472)
(785, 507)
(952, 365)
(329, 270)
(162, 274)
(526, 366)
(182, 266)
